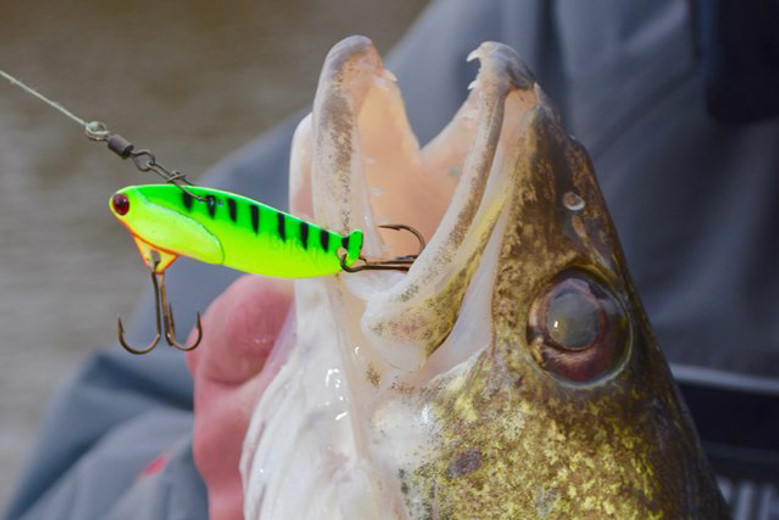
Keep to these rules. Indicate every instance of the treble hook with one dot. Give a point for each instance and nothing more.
(399, 263)
(163, 311)
(170, 324)
(157, 337)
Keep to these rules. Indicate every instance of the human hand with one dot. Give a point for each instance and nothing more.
(239, 330)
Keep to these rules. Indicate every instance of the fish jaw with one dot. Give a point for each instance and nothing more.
(433, 394)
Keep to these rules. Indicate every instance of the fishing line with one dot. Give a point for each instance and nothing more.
(144, 160)
(53, 104)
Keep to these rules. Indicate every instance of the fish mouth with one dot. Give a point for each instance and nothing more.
(356, 163)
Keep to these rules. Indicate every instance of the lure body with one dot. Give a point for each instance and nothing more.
(231, 230)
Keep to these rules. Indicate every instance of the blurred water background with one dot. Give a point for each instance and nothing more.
(190, 79)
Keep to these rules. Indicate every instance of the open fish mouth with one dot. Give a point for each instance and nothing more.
(511, 373)
(368, 169)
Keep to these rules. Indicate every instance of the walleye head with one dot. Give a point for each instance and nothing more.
(512, 372)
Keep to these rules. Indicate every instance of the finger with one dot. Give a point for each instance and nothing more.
(239, 329)
(218, 436)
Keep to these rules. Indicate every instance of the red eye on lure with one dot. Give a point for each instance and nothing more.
(120, 203)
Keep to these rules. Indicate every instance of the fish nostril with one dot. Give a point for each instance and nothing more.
(120, 203)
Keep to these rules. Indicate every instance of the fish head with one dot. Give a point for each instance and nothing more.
(512, 372)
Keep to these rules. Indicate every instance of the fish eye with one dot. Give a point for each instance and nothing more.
(577, 329)
(120, 203)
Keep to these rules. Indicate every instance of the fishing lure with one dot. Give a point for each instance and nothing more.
(225, 228)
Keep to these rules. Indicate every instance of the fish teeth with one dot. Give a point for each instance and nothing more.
(388, 74)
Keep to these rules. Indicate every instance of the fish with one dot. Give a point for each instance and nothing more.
(512, 372)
